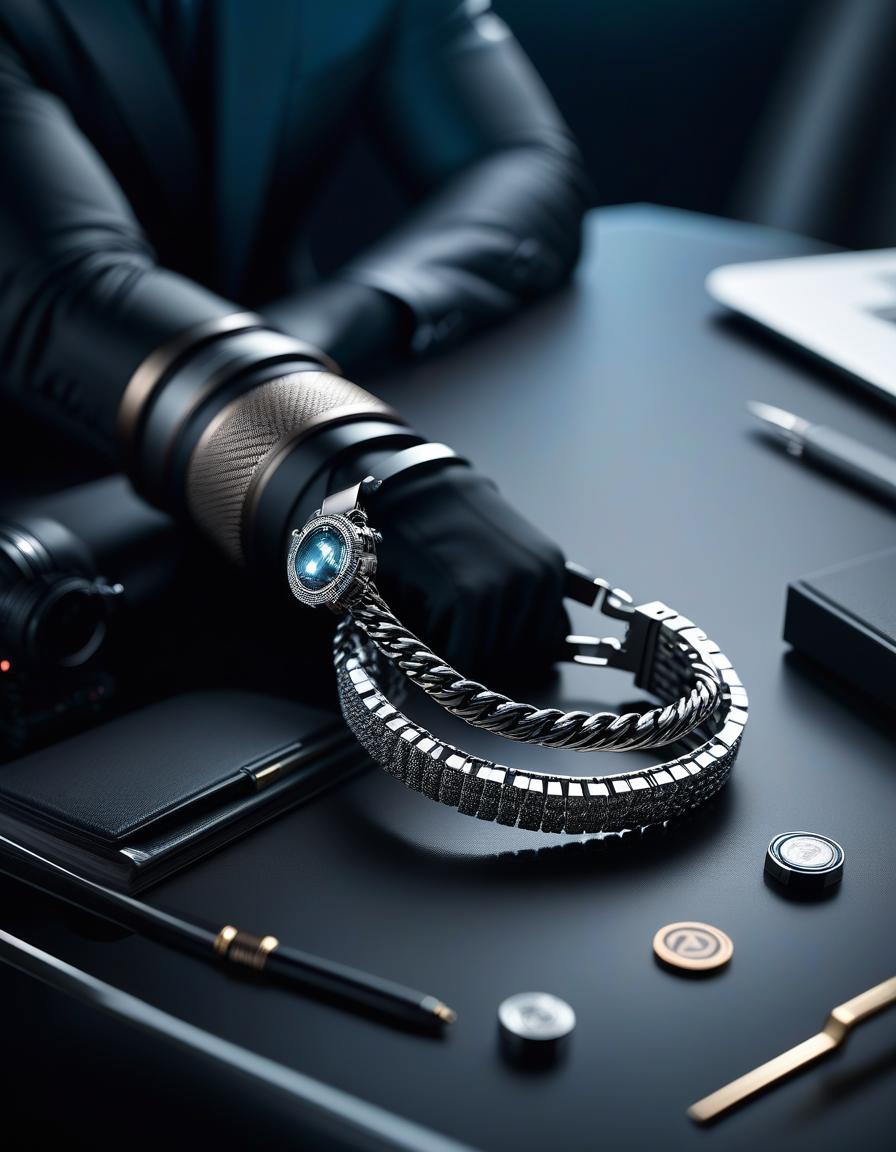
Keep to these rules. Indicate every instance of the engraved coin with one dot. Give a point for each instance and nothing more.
(807, 852)
(693, 946)
(536, 1016)
(805, 860)
(534, 1026)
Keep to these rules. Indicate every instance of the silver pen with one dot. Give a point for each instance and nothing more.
(831, 450)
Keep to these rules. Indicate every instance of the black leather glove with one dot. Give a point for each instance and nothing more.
(468, 574)
(358, 326)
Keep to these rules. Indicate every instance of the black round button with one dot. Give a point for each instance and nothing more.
(805, 860)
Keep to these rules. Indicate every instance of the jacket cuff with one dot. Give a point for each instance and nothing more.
(447, 303)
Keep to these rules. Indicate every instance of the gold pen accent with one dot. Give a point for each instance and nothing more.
(244, 948)
(264, 777)
(838, 1025)
(299, 755)
(224, 939)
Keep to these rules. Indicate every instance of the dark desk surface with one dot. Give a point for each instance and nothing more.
(615, 416)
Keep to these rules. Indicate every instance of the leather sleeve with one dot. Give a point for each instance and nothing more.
(471, 128)
(82, 299)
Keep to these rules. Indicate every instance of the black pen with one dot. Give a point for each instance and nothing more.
(370, 1126)
(255, 954)
(831, 450)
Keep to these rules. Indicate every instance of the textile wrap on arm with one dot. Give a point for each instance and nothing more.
(83, 299)
(251, 430)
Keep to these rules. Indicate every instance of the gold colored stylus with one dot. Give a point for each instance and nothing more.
(837, 1027)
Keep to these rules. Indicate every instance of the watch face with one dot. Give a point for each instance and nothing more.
(323, 559)
(320, 558)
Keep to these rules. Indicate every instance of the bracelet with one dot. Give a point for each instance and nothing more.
(332, 561)
(551, 727)
(536, 801)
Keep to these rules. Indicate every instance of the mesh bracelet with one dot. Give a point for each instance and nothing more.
(369, 687)
(332, 561)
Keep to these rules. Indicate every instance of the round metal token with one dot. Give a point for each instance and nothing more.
(693, 946)
(805, 860)
(535, 1025)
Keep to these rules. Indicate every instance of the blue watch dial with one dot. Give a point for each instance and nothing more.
(320, 558)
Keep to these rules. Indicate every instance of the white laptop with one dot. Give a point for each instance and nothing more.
(840, 307)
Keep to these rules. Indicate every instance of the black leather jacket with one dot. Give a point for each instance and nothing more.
(115, 235)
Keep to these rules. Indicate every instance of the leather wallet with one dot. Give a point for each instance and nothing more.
(143, 795)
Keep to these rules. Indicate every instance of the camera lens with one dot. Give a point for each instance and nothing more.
(67, 624)
(55, 622)
(53, 612)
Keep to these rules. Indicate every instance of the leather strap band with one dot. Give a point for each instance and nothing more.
(300, 464)
(409, 459)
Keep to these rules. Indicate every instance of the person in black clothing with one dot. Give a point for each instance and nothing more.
(159, 159)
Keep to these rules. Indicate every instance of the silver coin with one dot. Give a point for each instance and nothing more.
(807, 852)
(536, 1017)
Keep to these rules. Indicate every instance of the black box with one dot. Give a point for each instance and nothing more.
(844, 619)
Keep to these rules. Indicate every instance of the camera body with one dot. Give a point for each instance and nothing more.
(106, 604)
(55, 616)
(81, 574)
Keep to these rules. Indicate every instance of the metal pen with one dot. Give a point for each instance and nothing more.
(831, 450)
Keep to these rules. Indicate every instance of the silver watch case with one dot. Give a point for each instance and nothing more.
(357, 568)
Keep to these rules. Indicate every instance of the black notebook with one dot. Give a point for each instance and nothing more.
(844, 619)
(132, 801)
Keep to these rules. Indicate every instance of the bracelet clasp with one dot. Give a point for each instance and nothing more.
(632, 654)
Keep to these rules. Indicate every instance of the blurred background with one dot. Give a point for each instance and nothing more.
(781, 113)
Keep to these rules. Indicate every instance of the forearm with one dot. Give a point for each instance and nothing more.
(357, 325)
(475, 137)
(161, 374)
(72, 335)
(502, 233)
(82, 299)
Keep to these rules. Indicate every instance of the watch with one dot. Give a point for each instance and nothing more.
(332, 562)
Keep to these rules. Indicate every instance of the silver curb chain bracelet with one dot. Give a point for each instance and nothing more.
(332, 561)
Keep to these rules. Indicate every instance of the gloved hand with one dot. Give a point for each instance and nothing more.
(468, 574)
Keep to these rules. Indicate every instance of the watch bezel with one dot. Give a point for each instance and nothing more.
(332, 593)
